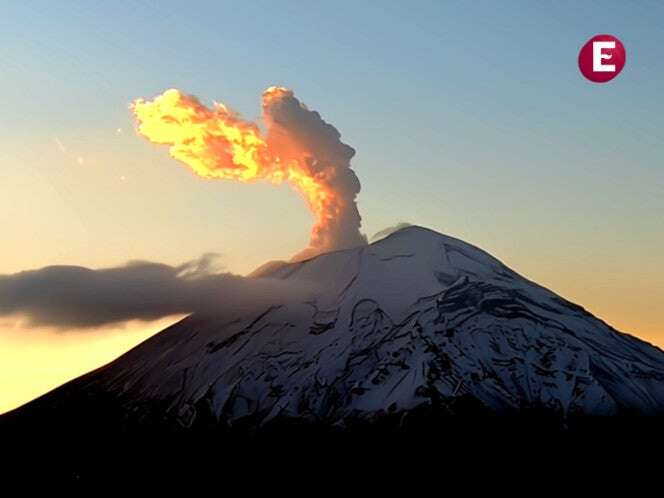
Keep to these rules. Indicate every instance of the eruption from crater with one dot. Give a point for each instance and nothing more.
(298, 147)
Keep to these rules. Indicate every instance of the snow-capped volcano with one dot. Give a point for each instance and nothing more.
(417, 319)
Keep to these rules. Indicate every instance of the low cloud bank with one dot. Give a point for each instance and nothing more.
(78, 297)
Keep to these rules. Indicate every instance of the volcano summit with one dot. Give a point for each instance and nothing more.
(415, 322)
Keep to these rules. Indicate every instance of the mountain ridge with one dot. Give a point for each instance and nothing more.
(416, 319)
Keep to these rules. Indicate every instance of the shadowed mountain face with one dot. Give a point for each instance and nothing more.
(412, 329)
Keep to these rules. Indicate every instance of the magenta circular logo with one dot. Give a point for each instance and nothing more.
(602, 58)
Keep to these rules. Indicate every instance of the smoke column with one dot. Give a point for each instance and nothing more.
(298, 147)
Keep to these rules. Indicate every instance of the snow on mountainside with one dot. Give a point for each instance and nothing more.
(416, 319)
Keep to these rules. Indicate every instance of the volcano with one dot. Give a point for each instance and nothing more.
(417, 331)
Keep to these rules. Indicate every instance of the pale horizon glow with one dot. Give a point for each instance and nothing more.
(42, 359)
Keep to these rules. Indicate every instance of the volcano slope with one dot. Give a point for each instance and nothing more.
(415, 337)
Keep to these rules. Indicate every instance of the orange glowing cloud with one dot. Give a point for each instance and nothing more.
(299, 147)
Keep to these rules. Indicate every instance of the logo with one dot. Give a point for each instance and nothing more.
(602, 58)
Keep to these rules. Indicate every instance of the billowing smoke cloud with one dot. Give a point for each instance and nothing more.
(77, 297)
(297, 134)
(299, 147)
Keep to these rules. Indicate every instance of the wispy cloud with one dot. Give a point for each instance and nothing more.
(60, 145)
(381, 234)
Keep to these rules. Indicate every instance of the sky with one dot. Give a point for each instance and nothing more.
(470, 118)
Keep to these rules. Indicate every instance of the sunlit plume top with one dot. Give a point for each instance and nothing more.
(298, 147)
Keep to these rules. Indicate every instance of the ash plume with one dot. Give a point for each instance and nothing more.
(298, 147)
